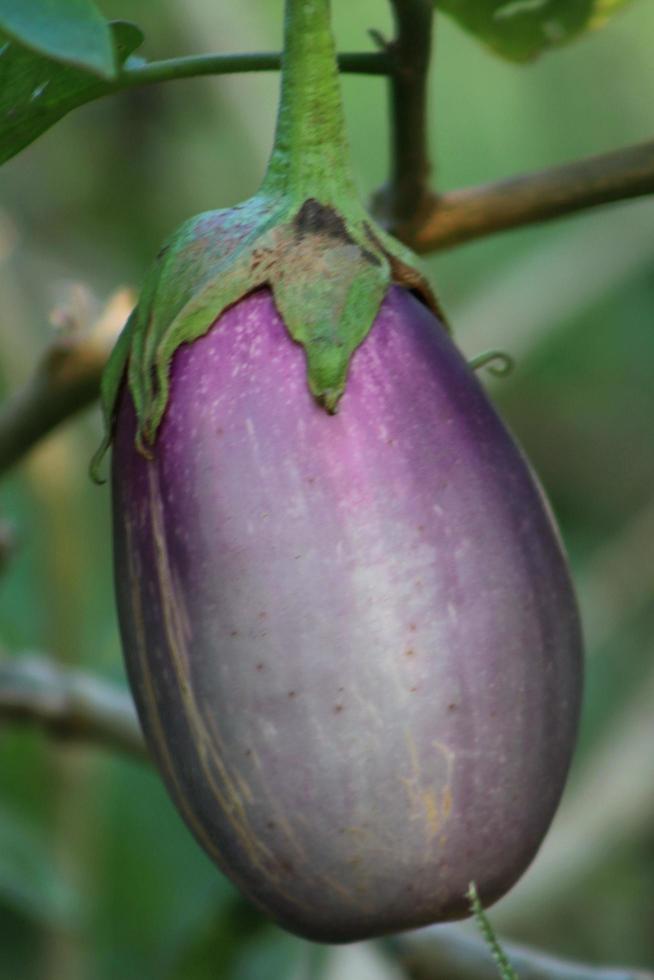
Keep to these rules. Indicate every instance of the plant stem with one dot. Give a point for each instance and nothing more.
(407, 195)
(365, 63)
(463, 215)
(310, 149)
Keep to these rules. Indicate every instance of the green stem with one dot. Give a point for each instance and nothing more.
(310, 152)
(363, 63)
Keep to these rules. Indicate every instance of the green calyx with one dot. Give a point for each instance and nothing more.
(305, 235)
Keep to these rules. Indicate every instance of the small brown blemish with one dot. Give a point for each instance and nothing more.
(452, 707)
(412, 627)
(248, 753)
(390, 442)
(220, 431)
(271, 825)
(260, 666)
(421, 528)
(292, 694)
(234, 633)
(311, 480)
(413, 690)
(340, 690)
(263, 614)
(287, 867)
(409, 653)
(315, 218)
(338, 708)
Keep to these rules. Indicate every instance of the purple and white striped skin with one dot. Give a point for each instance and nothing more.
(352, 639)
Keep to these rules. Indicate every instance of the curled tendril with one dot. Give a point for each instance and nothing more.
(505, 969)
(498, 362)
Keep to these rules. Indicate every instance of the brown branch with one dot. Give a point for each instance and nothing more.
(66, 380)
(452, 952)
(68, 704)
(407, 194)
(462, 215)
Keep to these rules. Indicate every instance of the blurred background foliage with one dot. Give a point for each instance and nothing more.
(98, 877)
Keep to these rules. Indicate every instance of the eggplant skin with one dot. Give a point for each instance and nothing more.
(352, 639)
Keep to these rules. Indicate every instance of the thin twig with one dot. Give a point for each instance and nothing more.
(489, 936)
(194, 66)
(68, 703)
(407, 196)
(462, 215)
(66, 379)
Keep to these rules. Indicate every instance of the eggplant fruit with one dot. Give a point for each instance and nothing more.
(352, 638)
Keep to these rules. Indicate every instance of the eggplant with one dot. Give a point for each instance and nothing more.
(352, 637)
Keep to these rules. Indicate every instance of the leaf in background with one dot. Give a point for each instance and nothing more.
(36, 92)
(604, 9)
(72, 31)
(521, 29)
(29, 882)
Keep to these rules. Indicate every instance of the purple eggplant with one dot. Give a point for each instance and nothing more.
(352, 638)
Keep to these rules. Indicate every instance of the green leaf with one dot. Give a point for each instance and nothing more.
(29, 881)
(521, 29)
(35, 92)
(71, 31)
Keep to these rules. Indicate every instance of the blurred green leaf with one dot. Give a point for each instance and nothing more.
(521, 29)
(35, 92)
(71, 31)
(28, 881)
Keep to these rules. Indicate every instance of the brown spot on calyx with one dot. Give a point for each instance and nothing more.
(315, 218)
(338, 708)
(409, 653)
